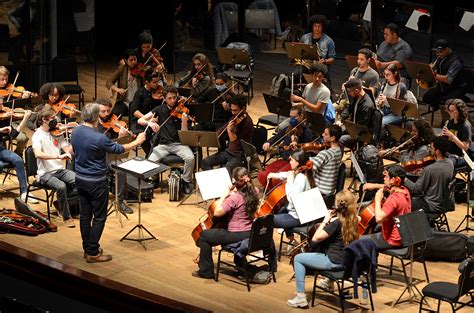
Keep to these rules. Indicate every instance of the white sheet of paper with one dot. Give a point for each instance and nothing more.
(467, 20)
(139, 167)
(413, 20)
(367, 13)
(213, 183)
(309, 205)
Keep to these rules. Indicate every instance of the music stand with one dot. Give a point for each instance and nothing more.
(198, 139)
(278, 106)
(114, 206)
(184, 92)
(419, 71)
(251, 156)
(360, 174)
(404, 109)
(202, 112)
(230, 56)
(414, 228)
(358, 132)
(141, 169)
(298, 50)
(470, 178)
(397, 132)
(316, 122)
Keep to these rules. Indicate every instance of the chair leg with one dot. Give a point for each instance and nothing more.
(313, 296)
(404, 272)
(246, 277)
(281, 246)
(426, 269)
(216, 278)
(420, 308)
(369, 289)
(391, 267)
(341, 294)
(48, 207)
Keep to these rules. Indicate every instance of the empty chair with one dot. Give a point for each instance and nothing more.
(64, 70)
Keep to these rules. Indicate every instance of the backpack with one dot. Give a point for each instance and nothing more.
(329, 113)
(279, 83)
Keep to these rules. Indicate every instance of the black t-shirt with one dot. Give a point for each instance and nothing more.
(143, 102)
(168, 130)
(334, 243)
(462, 131)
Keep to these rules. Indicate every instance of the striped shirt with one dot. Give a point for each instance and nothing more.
(326, 166)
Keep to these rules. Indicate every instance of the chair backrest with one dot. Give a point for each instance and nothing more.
(341, 177)
(466, 279)
(261, 235)
(376, 123)
(31, 164)
(360, 253)
(64, 69)
(449, 202)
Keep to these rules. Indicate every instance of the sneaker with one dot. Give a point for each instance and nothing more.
(298, 302)
(280, 230)
(69, 223)
(326, 283)
(101, 257)
(30, 199)
(125, 208)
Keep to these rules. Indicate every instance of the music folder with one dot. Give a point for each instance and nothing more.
(140, 167)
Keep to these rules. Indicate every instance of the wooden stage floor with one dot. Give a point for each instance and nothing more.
(165, 267)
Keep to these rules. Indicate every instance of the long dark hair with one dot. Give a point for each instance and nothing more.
(244, 186)
(305, 166)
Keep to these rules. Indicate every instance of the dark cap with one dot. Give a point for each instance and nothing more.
(440, 44)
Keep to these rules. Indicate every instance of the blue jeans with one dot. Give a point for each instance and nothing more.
(93, 197)
(63, 182)
(13, 158)
(314, 260)
(285, 221)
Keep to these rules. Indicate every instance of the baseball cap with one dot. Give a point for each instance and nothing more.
(440, 44)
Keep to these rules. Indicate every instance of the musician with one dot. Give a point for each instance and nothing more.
(22, 138)
(240, 202)
(9, 131)
(392, 88)
(169, 139)
(393, 50)
(239, 127)
(299, 178)
(398, 202)
(429, 190)
(316, 96)
(447, 70)
(53, 94)
(296, 132)
(458, 130)
(337, 230)
(370, 77)
(201, 76)
(105, 114)
(143, 52)
(326, 46)
(90, 149)
(127, 83)
(50, 153)
(144, 101)
(359, 109)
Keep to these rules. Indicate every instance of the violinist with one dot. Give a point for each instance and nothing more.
(429, 190)
(289, 137)
(221, 107)
(239, 202)
(105, 108)
(21, 138)
(458, 131)
(127, 82)
(200, 78)
(12, 158)
(143, 102)
(398, 202)
(298, 179)
(337, 230)
(239, 127)
(51, 153)
(4, 85)
(147, 56)
(53, 94)
(168, 122)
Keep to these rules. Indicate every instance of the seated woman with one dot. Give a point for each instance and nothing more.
(300, 178)
(338, 229)
(240, 202)
(200, 78)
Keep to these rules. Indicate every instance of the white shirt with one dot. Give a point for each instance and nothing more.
(49, 145)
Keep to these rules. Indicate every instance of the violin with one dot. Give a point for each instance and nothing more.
(65, 108)
(313, 147)
(62, 129)
(16, 113)
(114, 123)
(179, 109)
(16, 92)
(413, 165)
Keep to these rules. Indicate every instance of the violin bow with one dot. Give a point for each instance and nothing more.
(228, 89)
(13, 86)
(146, 128)
(12, 112)
(288, 133)
(197, 73)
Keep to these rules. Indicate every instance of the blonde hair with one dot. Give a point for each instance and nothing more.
(4, 71)
(346, 209)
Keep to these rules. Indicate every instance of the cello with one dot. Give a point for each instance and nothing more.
(367, 221)
(274, 200)
(208, 221)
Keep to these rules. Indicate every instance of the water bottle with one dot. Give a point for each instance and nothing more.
(365, 294)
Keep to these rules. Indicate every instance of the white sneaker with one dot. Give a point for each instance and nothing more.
(326, 283)
(298, 302)
(30, 199)
(280, 230)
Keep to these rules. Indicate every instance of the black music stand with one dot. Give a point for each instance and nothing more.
(404, 109)
(202, 112)
(397, 132)
(414, 228)
(278, 106)
(298, 50)
(198, 139)
(251, 156)
(230, 56)
(134, 168)
(184, 92)
(470, 178)
(316, 122)
(420, 71)
(358, 132)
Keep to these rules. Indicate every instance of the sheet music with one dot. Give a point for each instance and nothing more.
(139, 167)
(367, 13)
(213, 183)
(309, 205)
(413, 20)
(467, 20)
(468, 159)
